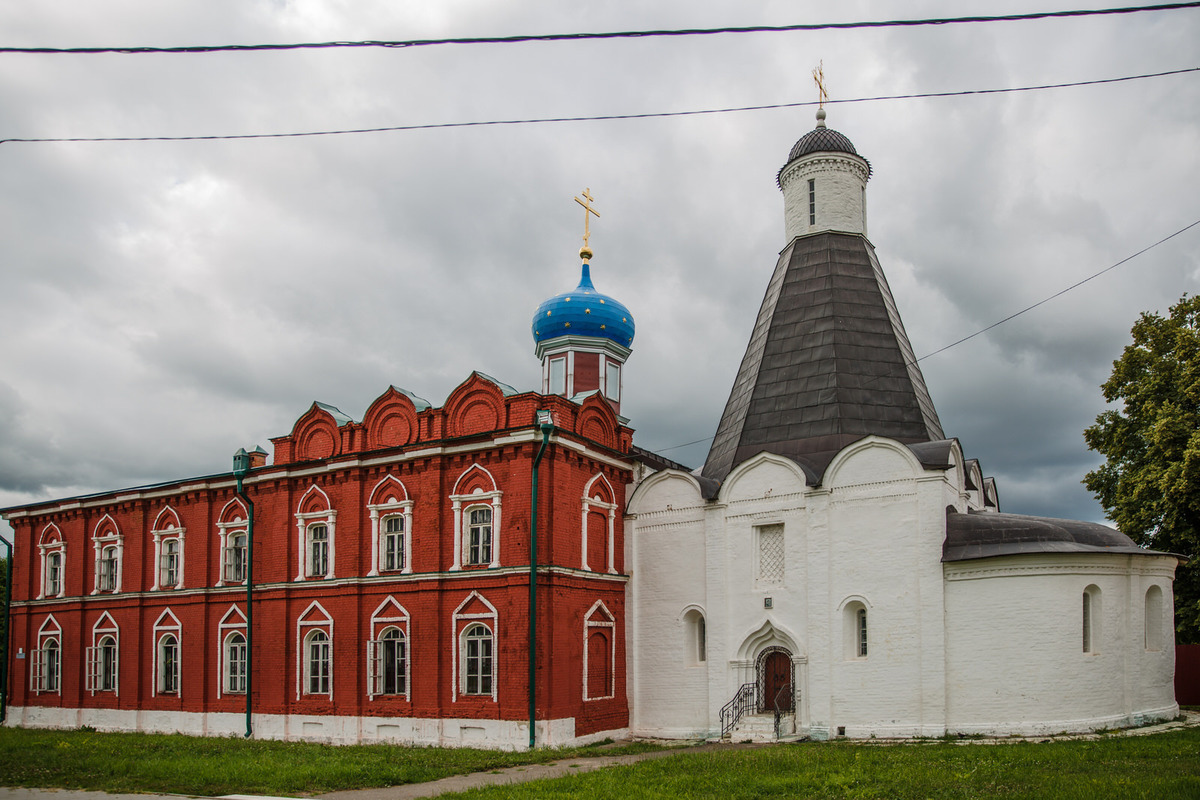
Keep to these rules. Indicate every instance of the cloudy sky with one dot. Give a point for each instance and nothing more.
(165, 303)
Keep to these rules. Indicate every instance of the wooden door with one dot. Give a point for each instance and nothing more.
(777, 674)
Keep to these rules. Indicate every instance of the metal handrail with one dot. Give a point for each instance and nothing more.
(787, 687)
(733, 711)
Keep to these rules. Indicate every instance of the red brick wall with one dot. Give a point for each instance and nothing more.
(430, 595)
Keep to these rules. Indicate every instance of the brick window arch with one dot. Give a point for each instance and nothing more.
(390, 509)
(599, 653)
(316, 529)
(475, 504)
(53, 552)
(168, 550)
(109, 547)
(232, 536)
(598, 525)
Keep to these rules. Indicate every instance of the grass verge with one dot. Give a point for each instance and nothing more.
(177, 764)
(1162, 766)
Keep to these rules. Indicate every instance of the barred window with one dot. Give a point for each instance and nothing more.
(770, 554)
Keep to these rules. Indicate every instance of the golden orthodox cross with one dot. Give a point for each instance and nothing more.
(819, 77)
(587, 209)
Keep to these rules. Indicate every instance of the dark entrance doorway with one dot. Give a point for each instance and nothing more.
(775, 681)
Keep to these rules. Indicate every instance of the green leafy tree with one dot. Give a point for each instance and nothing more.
(1150, 483)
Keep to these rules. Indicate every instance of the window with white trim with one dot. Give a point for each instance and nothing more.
(388, 651)
(168, 664)
(475, 504)
(53, 552)
(316, 662)
(478, 665)
(854, 631)
(476, 631)
(388, 663)
(45, 662)
(232, 651)
(612, 380)
(236, 556)
(109, 546)
(234, 654)
(168, 550)
(393, 542)
(103, 657)
(556, 376)
(315, 526)
(479, 536)
(597, 548)
(54, 574)
(317, 545)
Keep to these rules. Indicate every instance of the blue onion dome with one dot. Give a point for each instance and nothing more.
(583, 312)
(822, 140)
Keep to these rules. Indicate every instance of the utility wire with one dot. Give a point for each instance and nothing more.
(594, 118)
(557, 37)
(1010, 317)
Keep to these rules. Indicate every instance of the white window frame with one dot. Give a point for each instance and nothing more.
(305, 628)
(318, 649)
(170, 531)
(232, 622)
(556, 383)
(101, 543)
(235, 523)
(44, 677)
(305, 521)
(596, 503)
(390, 615)
(612, 368)
(380, 512)
(856, 628)
(462, 622)
(52, 544)
(600, 618)
(316, 539)
(461, 504)
(97, 668)
(479, 634)
(761, 530)
(486, 536)
(167, 625)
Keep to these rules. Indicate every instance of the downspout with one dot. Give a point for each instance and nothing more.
(7, 628)
(241, 466)
(546, 426)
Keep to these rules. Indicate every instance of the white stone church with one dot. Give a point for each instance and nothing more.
(838, 559)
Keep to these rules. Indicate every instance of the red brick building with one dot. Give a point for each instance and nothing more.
(391, 572)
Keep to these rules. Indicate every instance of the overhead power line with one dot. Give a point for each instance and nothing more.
(648, 34)
(1009, 318)
(592, 118)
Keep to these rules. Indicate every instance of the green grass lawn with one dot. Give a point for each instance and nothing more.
(176, 764)
(1162, 766)
(1165, 765)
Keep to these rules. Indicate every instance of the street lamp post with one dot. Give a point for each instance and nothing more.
(241, 467)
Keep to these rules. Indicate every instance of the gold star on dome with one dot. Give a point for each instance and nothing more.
(587, 311)
(566, 324)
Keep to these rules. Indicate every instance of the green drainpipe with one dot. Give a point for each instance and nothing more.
(241, 466)
(547, 427)
(7, 628)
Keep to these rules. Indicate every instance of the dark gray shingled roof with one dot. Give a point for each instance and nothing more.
(987, 534)
(828, 362)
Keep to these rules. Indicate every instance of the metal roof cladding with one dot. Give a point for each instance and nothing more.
(583, 312)
(821, 140)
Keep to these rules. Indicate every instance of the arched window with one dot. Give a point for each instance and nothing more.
(235, 558)
(695, 637)
(108, 568)
(53, 552)
(235, 663)
(1091, 619)
(168, 665)
(389, 663)
(104, 665)
(855, 639)
(477, 660)
(316, 663)
(108, 545)
(51, 661)
(1154, 618)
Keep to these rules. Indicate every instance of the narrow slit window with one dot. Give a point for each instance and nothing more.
(812, 201)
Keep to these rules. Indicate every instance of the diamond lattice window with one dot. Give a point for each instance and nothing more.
(770, 554)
